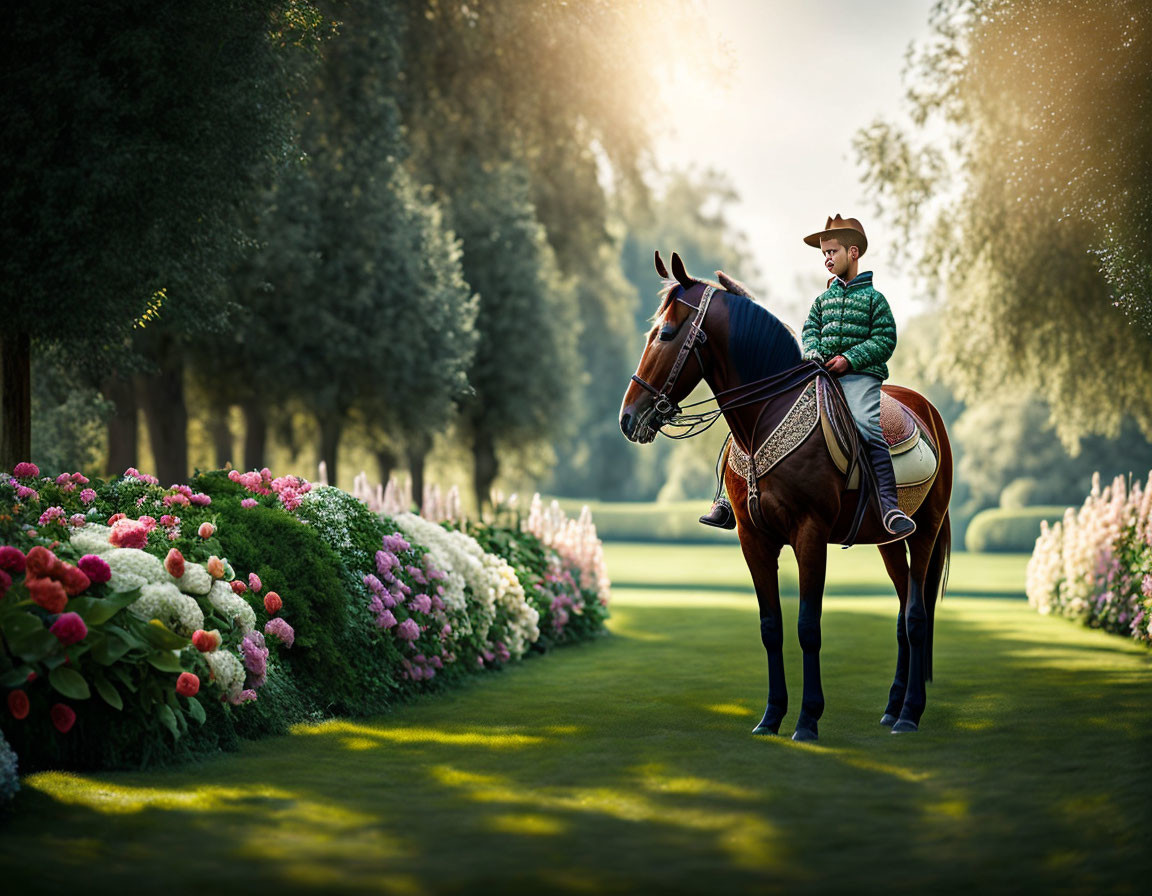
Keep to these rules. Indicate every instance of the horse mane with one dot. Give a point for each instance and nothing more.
(759, 343)
(666, 295)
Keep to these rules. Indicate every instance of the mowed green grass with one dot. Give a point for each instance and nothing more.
(627, 766)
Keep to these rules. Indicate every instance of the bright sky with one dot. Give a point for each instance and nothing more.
(804, 76)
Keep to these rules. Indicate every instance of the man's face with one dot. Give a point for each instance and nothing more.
(836, 257)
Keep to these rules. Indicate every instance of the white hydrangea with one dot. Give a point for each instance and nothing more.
(328, 509)
(227, 671)
(523, 618)
(163, 601)
(137, 562)
(91, 538)
(232, 606)
(195, 580)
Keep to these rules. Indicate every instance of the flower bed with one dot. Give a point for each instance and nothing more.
(1095, 565)
(146, 624)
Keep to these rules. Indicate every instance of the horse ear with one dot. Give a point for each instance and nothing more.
(679, 273)
(660, 269)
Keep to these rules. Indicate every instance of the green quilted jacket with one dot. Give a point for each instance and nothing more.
(854, 321)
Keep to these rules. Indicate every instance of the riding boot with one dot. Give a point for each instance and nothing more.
(895, 520)
(721, 515)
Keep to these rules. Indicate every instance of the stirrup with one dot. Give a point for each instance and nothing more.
(720, 516)
(898, 523)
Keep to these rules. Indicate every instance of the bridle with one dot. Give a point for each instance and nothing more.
(664, 408)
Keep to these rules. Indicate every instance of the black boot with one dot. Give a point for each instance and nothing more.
(895, 520)
(721, 515)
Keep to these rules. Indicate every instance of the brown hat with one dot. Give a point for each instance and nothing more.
(834, 228)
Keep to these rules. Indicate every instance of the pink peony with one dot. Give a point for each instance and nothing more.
(272, 603)
(215, 567)
(74, 580)
(204, 641)
(26, 494)
(248, 502)
(25, 470)
(80, 478)
(96, 568)
(179, 500)
(408, 630)
(128, 534)
(64, 479)
(77, 520)
(187, 685)
(174, 563)
(63, 717)
(206, 530)
(147, 522)
(51, 515)
(254, 582)
(115, 518)
(168, 521)
(69, 628)
(40, 561)
(12, 559)
(200, 499)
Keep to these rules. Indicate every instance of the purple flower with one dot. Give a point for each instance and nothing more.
(417, 575)
(248, 502)
(396, 543)
(408, 630)
(245, 696)
(255, 654)
(374, 584)
(280, 628)
(385, 562)
(22, 491)
(88, 495)
(385, 619)
(421, 603)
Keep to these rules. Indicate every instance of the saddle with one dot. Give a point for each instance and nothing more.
(914, 456)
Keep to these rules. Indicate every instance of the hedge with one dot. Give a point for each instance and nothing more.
(1002, 530)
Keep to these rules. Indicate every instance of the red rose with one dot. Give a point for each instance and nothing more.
(238, 587)
(48, 594)
(18, 704)
(204, 641)
(12, 559)
(272, 603)
(74, 580)
(63, 717)
(187, 685)
(115, 518)
(40, 561)
(174, 563)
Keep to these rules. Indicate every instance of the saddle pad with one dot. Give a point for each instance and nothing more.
(913, 459)
(796, 426)
(897, 423)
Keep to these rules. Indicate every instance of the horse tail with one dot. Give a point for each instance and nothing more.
(936, 583)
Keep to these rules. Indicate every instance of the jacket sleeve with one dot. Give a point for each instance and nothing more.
(810, 334)
(881, 342)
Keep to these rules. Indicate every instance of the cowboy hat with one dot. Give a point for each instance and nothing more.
(834, 228)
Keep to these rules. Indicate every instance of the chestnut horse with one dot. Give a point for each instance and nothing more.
(752, 363)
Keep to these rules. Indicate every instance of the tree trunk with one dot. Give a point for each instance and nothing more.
(417, 452)
(123, 447)
(221, 434)
(162, 396)
(15, 398)
(386, 460)
(331, 425)
(484, 468)
(255, 434)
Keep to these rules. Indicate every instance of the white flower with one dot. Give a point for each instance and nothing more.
(196, 579)
(232, 606)
(227, 671)
(165, 602)
(137, 562)
(91, 538)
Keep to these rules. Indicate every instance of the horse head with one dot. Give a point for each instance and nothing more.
(671, 365)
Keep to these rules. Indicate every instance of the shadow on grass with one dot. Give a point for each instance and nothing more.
(627, 766)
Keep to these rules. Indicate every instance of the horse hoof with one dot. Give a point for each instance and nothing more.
(766, 731)
(888, 720)
(903, 726)
(804, 735)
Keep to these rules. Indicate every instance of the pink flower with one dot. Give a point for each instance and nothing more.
(69, 628)
(421, 603)
(51, 515)
(147, 522)
(281, 629)
(68, 487)
(206, 530)
(200, 499)
(254, 582)
(272, 603)
(248, 502)
(77, 520)
(80, 478)
(115, 518)
(25, 493)
(64, 479)
(245, 696)
(96, 568)
(47, 593)
(25, 470)
(5, 582)
(168, 521)
(174, 563)
(385, 619)
(63, 717)
(238, 587)
(128, 534)
(12, 559)
(187, 685)
(179, 499)
(408, 630)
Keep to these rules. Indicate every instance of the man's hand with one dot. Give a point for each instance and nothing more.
(838, 366)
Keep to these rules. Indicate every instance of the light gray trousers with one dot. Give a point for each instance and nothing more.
(863, 394)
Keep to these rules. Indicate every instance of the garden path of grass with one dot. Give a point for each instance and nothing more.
(626, 765)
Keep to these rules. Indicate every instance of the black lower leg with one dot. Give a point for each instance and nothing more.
(812, 706)
(772, 634)
(917, 626)
(900, 680)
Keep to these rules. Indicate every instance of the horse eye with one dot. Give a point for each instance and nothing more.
(667, 332)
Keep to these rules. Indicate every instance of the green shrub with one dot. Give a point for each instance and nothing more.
(1008, 531)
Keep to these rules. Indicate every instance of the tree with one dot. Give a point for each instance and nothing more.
(1033, 215)
(132, 134)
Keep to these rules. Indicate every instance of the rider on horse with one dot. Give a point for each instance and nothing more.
(850, 330)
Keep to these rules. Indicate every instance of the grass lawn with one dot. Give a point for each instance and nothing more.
(627, 766)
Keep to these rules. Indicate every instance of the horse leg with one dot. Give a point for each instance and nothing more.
(896, 562)
(916, 624)
(763, 562)
(812, 559)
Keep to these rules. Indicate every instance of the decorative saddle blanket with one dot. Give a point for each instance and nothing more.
(913, 455)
